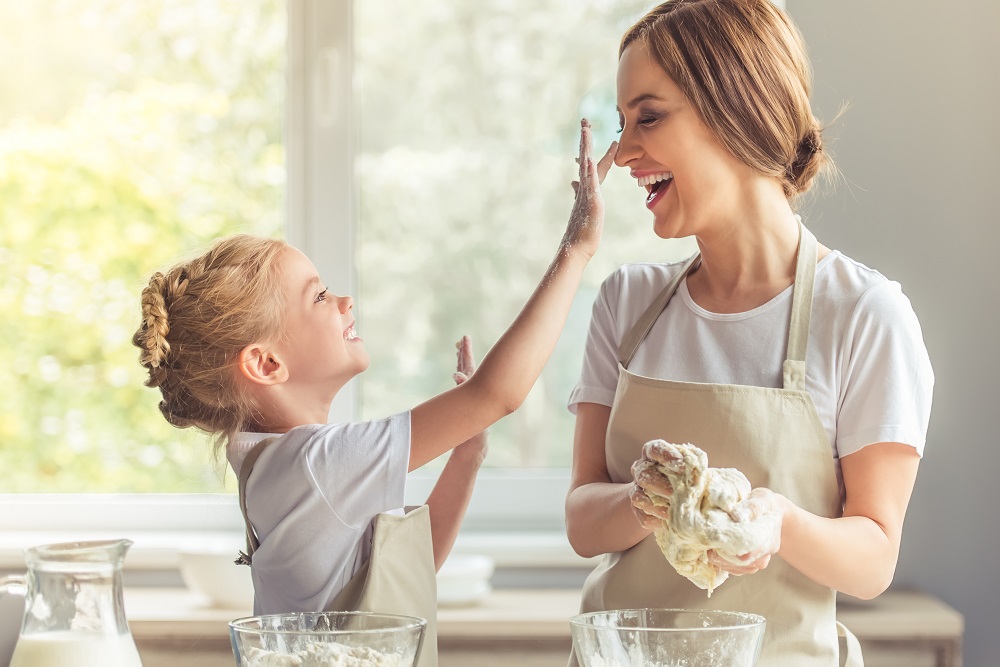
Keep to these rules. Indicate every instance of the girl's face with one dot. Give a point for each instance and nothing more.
(690, 179)
(319, 345)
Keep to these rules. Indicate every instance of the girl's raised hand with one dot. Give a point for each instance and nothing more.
(586, 220)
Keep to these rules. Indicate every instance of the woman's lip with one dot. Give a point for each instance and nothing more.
(659, 194)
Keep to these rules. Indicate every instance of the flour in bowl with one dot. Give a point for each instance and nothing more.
(323, 655)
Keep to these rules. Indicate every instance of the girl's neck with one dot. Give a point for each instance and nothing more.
(282, 409)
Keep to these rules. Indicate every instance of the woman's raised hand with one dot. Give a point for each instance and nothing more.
(586, 220)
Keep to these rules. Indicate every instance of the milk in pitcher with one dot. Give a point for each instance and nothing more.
(79, 649)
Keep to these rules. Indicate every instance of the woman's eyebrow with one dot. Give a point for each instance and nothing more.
(642, 98)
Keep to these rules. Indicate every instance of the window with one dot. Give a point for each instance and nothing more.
(130, 132)
(420, 153)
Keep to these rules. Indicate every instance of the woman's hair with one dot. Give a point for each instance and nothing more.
(743, 65)
(196, 318)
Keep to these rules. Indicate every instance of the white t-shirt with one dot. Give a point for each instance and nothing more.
(867, 368)
(312, 498)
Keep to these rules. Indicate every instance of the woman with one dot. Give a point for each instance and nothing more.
(774, 354)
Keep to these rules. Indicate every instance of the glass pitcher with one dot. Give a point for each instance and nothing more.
(73, 610)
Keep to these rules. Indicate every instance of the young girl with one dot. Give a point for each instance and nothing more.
(245, 342)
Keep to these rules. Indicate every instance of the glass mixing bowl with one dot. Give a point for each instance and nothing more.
(667, 638)
(356, 639)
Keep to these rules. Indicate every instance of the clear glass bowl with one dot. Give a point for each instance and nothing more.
(358, 639)
(667, 638)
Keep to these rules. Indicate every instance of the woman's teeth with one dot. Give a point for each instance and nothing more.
(350, 334)
(648, 181)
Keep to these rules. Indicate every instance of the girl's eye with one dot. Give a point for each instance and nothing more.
(321, 296)
(648, 119)
(621, 123)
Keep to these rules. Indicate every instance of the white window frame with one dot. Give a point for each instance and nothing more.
(515, 515)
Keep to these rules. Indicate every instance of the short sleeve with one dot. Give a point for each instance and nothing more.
(360, 469)
(599, 377)
(887, 379)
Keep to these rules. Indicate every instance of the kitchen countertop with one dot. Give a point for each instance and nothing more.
(533, 614)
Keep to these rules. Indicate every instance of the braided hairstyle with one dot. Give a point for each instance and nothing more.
(196, 318)
(743, 65)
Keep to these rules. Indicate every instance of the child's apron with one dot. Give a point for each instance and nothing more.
(775, 437)
(399, 576)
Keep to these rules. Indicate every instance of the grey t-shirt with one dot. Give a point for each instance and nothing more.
(312, 498)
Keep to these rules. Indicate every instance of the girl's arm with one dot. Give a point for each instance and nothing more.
(453, 490)
(514, 363)
(599, 514)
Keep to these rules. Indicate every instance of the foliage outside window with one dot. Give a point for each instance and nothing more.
(130, 133)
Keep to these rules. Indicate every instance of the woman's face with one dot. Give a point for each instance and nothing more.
(690, 179)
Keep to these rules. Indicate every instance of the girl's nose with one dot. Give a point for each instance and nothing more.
(345, 304)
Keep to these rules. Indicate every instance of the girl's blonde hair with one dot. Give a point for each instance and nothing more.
(743, 65)
(196, 318)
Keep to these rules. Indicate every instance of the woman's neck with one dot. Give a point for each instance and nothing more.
(746, 259)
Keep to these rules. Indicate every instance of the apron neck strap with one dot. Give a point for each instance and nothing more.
(794, 369)
(630, 343)
(245, 469)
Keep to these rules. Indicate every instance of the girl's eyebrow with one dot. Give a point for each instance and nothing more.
(309, 285)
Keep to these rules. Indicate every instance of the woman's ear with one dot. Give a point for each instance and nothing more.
(261, 365)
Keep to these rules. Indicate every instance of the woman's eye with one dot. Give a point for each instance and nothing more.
(621, 123)
(321, 296)
(648, 120)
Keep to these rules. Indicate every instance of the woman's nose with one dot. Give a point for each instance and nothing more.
(345, 304)
(628, 149)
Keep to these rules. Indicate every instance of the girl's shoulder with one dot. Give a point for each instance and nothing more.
(338, 434)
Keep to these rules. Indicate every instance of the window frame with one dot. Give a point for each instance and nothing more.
(518, 507)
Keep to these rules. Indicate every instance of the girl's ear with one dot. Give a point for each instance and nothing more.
(262, 365)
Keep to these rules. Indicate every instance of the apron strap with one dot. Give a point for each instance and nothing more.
(853, 657)
(794, 368)
(630, 343)
(251, 458)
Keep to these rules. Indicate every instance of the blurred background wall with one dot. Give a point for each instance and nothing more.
(918, 149)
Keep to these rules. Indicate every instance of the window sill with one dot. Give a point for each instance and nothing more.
(158, 550)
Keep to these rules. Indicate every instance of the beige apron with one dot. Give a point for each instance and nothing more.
(774, 436)
(399, 576)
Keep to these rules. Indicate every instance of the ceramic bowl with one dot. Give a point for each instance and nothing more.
(212, 574)
(464, 580)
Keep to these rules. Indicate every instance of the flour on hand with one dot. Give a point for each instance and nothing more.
(703, 515)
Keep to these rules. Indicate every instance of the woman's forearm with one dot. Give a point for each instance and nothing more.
(600, 519)
(831, 551)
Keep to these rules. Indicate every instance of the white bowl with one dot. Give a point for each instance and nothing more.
(213, 575)
(464, 580)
